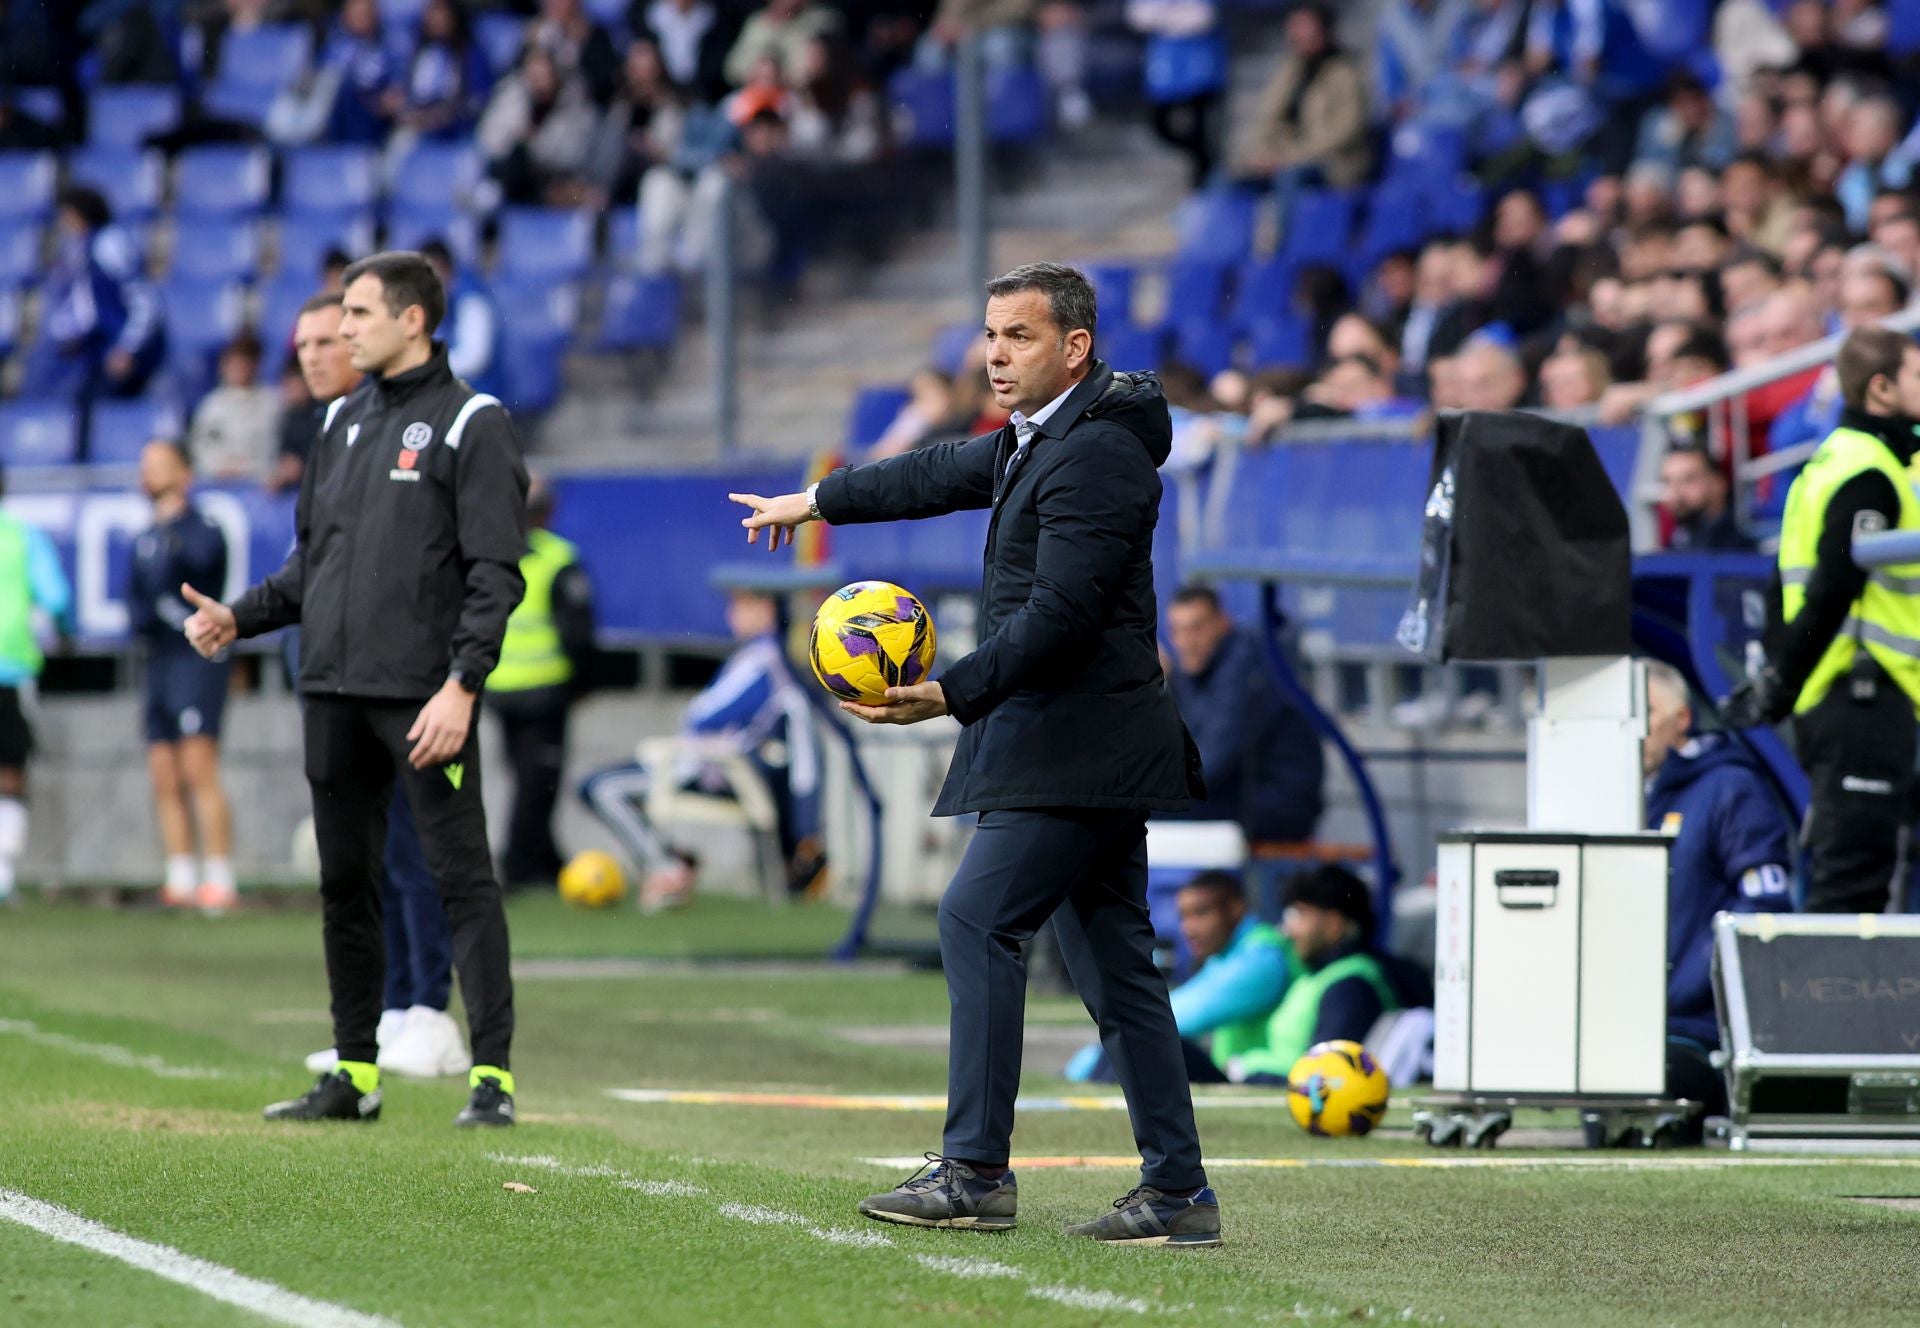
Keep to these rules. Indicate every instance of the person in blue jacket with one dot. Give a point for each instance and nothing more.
(1731, 852)
(101, 329)
(1244, 965)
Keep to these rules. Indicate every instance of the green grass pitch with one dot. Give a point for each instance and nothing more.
(136, 1050)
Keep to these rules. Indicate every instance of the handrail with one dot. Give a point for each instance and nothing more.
(1736, 382)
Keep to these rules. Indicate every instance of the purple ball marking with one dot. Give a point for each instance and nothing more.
(857, 645)
(905, 608)
(911, 670)
(1367, 1063)
(839, 686)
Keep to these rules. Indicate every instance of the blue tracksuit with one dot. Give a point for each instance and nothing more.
(1731, 852)
(186, 695)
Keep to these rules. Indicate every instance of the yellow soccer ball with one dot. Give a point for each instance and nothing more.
(592, 880)
(1337, 1088)
(870, 636)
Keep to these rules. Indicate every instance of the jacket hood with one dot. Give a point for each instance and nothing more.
(1136, 403)
(1694, 759)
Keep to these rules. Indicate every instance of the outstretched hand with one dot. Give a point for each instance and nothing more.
(777, 516)
(210, 628)
(905, 705)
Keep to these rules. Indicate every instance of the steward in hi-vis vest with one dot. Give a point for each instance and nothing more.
(1843, 643)
(543, 661)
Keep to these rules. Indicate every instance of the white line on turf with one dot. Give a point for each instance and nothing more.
(1081, 1298)
(960, 1266)
(662, 1189)
(1626, 1161)
(107, 1051)
(780, 1217)
(209, 1279)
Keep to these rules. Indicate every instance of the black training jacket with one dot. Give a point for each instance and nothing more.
(1064, 702)
(411, 522)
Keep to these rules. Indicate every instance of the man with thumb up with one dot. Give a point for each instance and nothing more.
(411, 523)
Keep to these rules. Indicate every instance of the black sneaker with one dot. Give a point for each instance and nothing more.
(1145, 1216)
(951, 1194)
(490, 1105)
(332, 1097)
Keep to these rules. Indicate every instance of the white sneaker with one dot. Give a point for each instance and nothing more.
(392, 1024)
(429, 1047)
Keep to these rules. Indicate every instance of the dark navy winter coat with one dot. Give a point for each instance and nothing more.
(1726, 824)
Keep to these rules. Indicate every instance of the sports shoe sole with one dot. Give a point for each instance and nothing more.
(1193, 1240)
(950, 1223)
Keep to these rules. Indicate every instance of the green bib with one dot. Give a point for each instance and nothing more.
(1237, 1039)
(1886, 617)
(1289, 1030)
(17, 644)
(531, 654)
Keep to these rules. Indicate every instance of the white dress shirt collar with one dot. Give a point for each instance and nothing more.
(1024, 426)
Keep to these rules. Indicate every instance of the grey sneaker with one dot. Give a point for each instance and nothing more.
(949, 1194)
(1145, 1216)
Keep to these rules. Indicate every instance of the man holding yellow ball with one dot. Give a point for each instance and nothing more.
(1069, 740)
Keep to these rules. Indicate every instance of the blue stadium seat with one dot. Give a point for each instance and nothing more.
(435, 176)
(499, 37)
(220, 180)
(408, 228)
(545, 242)
(19, 253)
(533, 370)
(306, 238)
(607, 11)
(1264, 291)
(202, 316)
(131, 179)
(623, 238)
(127, 115)
(280, 302)
(1017, 105)
(329, 180)
(1196, 290)
(1319, 227)
(1457, 208)
(641, 313)
(248, 103)
(921, 104)
(874, 408)
(117, 430)
(1130, 348)
(273, 55)
(9, 318)
(951, 344)
(1279, 339)
(1329, 512)
(44, 104)
(27, 182)
(536, 306)
(38, 433)
(1217, 227)
(1205, 344)
(1395, 219)
(217, 249)
(1903, 26)
(1113, 290)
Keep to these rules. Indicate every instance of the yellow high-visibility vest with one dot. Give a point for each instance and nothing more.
(531, 653)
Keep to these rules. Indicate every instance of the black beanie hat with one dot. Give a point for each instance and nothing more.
(1335, 888)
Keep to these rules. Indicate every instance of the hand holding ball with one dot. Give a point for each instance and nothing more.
(869, 637)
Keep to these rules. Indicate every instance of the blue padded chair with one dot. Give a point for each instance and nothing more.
(221, 180)
(408, 228)
(329, 180)
(1217, 227)
(641, 313)
(545, 242)
(1279, 340)
(1319, 226)
(118, 429)
(921, 102)
(39, 433)
(1205, 344)
(126, 115)
(273, 55)
(874, 408)
(305, 239)
(434, 176)
(1113, 288)
(217, 248)
(1130, 348)
(27, 182)
(131, 179)
(500, 37)
(19, 253)
(1018, 110)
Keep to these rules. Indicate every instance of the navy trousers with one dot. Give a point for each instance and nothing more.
(1087, 870)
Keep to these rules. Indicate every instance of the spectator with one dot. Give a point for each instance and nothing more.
(237, 425)
(1355, 387)
(1310, 127)
(1356, 334)
(1433, 298)
(1693, 492)
(1186, 76)
(577, 44)
(753, 709)
(326, 367)
(1387, 295)
(1199, 423)
(1004, 28)
(691, 37)
(1222, 1010)
(771, 205)
(447, 79)
(1339, 986)
(537, 132)
(471, 328)
(1573, 378)
(1490, 376)
(1690, 130)
(1874, 129)
(1899, 235)
(782, 31)
(1748, 279)
(1869, 292)
(834, 118)
(644, 128)
(1262, 756)
(101, 332)
(1731, 852)
(1413, 42)
(369, 95)
(926, 417)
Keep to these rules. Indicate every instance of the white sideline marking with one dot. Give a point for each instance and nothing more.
(780, 1217)
(209, 1279)
(661, 1189)
(1083, 1299)
(107, 1051)
(965, 1266)
(1625, 1161)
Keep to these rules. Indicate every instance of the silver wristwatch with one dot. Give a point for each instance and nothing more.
(813, 501)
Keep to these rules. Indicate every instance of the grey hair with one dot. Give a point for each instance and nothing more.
(1070, 296)
(1668, 679)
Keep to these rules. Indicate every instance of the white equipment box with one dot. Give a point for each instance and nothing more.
(1551, 964)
